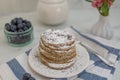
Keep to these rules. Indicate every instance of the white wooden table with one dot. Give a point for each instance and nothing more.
(83, 19)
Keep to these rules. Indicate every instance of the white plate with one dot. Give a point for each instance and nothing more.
(80, 64)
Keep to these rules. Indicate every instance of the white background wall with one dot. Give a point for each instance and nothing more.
(8, 7)
(14, 6)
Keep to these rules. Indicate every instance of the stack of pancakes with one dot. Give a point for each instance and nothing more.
(57, 49)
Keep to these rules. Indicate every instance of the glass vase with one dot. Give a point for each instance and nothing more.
(102, 28)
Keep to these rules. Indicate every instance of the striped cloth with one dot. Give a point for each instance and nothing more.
(97, 69)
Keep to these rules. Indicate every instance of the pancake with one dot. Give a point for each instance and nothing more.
(57, 49)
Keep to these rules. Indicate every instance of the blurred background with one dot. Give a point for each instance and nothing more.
(8, 7)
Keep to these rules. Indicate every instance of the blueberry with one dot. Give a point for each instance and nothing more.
(25, 21)
(14, 21)
(28, 24)
(20, 30)
(25, 28)
(13, 28)
(17, 40)
(7, 26)
(26, 76)
(20, 26)
(12, 39)
(19, 21)
(24, 24)
(31, 78)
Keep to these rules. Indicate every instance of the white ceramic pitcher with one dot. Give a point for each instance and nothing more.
(52, 12)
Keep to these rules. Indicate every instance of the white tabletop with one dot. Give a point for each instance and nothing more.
(83, 19)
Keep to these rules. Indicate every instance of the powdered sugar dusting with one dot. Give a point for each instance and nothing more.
(81, 63)
(57, 36)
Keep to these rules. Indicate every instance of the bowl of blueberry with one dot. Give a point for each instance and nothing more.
(19, 32)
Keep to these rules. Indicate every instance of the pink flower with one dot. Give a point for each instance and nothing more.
(97, 3)
(109, 3)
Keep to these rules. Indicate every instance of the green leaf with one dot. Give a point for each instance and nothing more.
(104, 10)
(89, 0)
(112, 1)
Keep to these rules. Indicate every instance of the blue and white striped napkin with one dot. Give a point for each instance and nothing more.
(97, 69)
